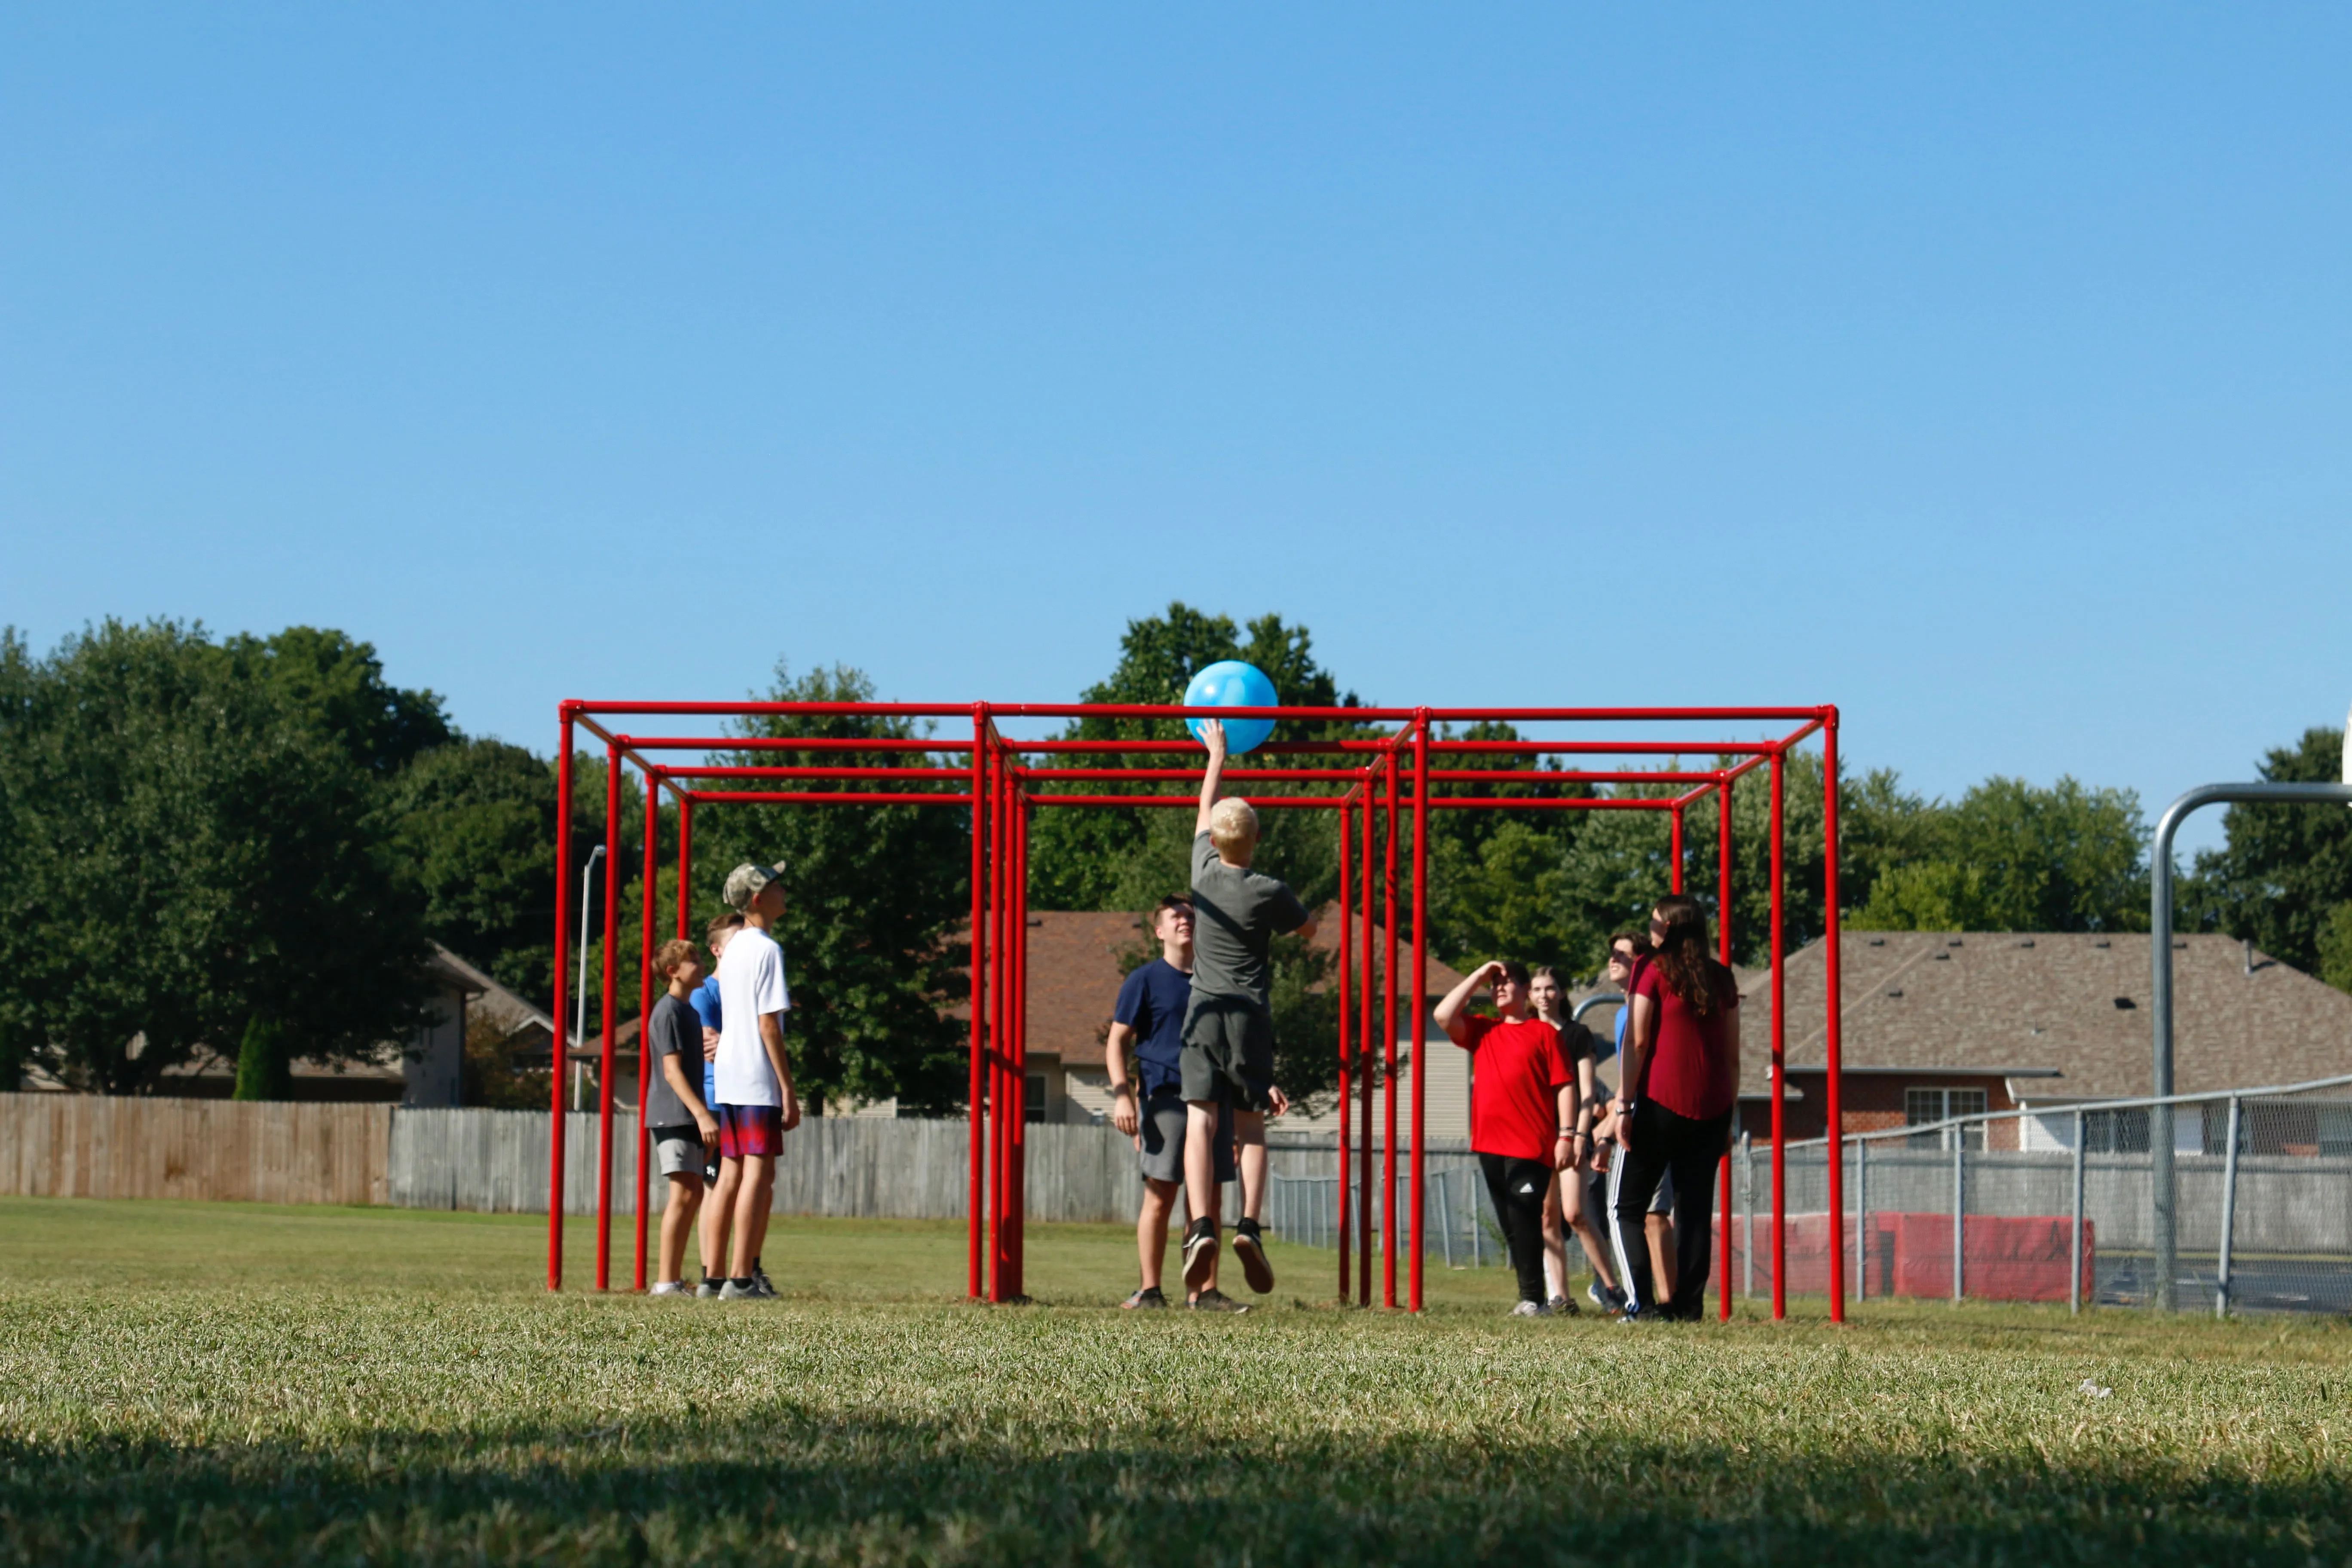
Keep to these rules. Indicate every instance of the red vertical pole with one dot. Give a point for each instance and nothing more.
(1420, 981)
(1364, 1074)
(1347, 998)
(1724, 950)
(644, 1017)
(604, 1060)
(685, 866)
(1779, 1081)
(1001, 1107)
(977, 1214)
(1388, 1045)
(563, 960)
(1674, 856)
(1833, 1099)
(1017, 1006)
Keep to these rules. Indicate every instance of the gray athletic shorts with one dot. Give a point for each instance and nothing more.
(680, 1149)
(1228, 1051)
(1161, 1134)
(1596, 1194)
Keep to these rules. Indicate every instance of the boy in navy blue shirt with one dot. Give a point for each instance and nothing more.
(1149, 1017)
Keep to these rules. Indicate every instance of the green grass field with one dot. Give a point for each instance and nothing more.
(200, 1383)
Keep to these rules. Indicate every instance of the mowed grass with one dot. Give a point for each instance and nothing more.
(216, 1383)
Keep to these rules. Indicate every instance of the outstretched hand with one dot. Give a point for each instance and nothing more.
(1213, 736)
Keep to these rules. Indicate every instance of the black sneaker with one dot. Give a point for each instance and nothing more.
(1561, 1307)
(1148, 1296)
(1250, 1247)
(1215, 1300)
(1199, 1252)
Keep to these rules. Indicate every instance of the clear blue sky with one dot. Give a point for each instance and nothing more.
(1987, 370)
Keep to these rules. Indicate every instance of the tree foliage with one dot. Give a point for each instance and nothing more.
(2009, 856)
(182, 851)
(2282, 877)
(876, 900)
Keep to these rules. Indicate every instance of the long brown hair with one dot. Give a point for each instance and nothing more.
(1689, 970)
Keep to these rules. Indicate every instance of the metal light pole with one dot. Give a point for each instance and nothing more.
(2163, 1211)
(580, 988)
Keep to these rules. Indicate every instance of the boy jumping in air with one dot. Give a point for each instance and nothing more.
(1228, 1055)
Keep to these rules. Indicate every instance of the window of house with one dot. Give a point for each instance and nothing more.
(1033, 1103)
(1924, 1107)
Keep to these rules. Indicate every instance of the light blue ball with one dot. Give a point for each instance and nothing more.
(1230, 683)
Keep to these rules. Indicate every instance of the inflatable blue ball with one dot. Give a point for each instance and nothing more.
(1230, 683)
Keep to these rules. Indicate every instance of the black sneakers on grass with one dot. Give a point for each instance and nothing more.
(1250, 1247)
(1199, 1252)
(1215, 1300)
(1148, 1296)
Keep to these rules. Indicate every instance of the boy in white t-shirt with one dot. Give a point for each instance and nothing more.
(754, 1078)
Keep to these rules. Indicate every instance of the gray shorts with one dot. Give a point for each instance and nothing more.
(1161, 1134)
(680, 1149)
(1596, 1194)
(1228, 1052)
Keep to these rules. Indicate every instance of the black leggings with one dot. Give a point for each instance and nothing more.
(1518, 1188)
(1664, 1142)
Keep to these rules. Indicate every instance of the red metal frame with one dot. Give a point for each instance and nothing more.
(1002, 792)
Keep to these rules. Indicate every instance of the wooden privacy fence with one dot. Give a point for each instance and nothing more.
(99, 1146)
(495, 1161)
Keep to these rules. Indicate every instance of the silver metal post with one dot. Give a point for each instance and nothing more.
(1747, 1225)
(2075, 1274)
(1445, 1231)
(579, 986)
(1861, 1220)
(1960, 1209)
(2229, 1212)
(2161, 1194)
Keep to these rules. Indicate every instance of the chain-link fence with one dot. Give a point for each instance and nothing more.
(2041, 1205)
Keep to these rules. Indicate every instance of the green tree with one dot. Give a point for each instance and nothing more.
(2012, 857)
(876, 898)
(181, 848)
(338, 684)
(473, 831)
(2283, 873)
(262, 1071)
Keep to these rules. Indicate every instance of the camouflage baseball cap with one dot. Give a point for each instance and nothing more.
(744, 882)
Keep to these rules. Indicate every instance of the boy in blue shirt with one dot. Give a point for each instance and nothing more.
(704, 1000)
(1149, 1017)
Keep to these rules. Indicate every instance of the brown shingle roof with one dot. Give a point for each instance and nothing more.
(2045, 1002)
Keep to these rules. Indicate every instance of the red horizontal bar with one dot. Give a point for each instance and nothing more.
(1277, 747)
(827, 798)
(1262, 802)
(786, 743)
(1609, 748)
(960, 775)
(1539, 803)
(578, 708)
(1563, 776)
(1194, 776)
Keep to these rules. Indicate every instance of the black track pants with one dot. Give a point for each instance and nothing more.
(1518, 1188)
(1665, 1141)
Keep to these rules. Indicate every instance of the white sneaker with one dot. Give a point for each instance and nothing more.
(671, 1288)
(1532, 1309)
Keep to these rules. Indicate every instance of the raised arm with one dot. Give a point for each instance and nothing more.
(1213, 735)
(1449, 1011)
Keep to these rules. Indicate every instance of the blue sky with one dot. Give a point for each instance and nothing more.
(1985, 370)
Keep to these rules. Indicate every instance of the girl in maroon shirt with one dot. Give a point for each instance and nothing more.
(1676, 1088)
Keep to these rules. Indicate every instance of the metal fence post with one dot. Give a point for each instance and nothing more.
(2229, 1212)
(1444, 1230)
(1960, 1209)
(1861, 1219)
(2075, 1274)
(1748, 1223)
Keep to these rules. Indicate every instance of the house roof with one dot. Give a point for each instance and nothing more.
(1075, 972)
(2042, 1008)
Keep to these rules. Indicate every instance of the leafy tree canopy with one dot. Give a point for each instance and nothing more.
(2282, 877)
(2013, 857)
(338, 684)
(182, 851)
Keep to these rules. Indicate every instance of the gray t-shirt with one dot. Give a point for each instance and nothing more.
(1235, 913)
(676, 1030)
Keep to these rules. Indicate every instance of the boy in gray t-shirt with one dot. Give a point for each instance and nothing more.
(1229, 1027)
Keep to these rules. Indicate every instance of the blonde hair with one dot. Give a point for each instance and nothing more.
(1233, 824)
